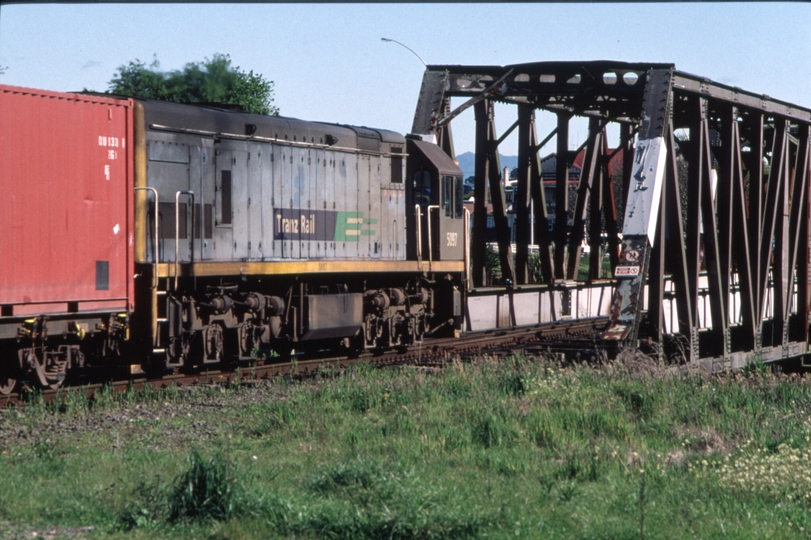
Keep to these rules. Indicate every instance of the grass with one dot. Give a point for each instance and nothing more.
(518, 449)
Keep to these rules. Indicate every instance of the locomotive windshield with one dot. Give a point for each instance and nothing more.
(451, 193)
(459, 197)
(423, 194)
(447, 195)
(453, 196)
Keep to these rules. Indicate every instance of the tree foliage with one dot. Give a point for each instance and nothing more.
(210, 81)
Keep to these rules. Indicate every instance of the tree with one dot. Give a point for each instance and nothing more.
(209, 81)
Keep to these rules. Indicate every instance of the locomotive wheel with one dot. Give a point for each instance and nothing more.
(7, 384)
(213, 343)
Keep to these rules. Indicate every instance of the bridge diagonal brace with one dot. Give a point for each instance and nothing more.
(797, 215)
(642, 210)
(488, 92)
(430, 102)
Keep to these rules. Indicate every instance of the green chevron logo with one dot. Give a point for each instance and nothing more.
(349, 226)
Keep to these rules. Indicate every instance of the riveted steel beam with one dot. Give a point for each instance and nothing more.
(716, 91)
(478, 245)
(563, 160)
(431, 102)
(542, 236)
(589, 187)
(642, 209)
(797, 235)
(803, 251)
(675, 255)
(521, 202)
(486, 129)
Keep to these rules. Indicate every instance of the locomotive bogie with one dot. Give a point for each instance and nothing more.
(396, 317)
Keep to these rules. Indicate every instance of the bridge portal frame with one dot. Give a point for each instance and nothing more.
(715, 199)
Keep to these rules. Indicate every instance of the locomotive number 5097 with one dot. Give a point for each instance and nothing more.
(452, 238)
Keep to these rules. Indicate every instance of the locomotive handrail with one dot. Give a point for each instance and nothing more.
(466, 225)
(155, 271)
(430, 247)
(418, 211)
(177, 230)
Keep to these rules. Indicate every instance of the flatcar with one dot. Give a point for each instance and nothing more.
(163, 236)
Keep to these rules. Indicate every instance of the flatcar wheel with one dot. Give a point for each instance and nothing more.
(7, 384)
(50, 374)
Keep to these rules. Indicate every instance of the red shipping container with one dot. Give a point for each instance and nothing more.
(66, 176)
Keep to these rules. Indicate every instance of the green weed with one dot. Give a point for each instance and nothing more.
(207, 490)
(273, 416)
(756, 367)
(513, 384)
(641, 398)
(147, 506)
(355, 474)
(567, 491)
(490, 431)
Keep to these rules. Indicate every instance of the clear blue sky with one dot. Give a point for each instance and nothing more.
(328, 63)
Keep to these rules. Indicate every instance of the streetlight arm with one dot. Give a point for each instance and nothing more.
(387, 40)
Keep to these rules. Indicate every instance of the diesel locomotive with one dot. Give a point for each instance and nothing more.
(166, 236)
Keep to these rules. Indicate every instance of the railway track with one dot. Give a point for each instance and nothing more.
(570, 337)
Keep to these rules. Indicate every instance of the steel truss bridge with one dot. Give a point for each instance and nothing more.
(708, 239)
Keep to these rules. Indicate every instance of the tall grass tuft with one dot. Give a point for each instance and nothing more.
(541, 430)
(360, 499)
(490, 431)
(274, 416)
(514, 384)
(206, 491)
(355, 474)
(146, 506)
(358, 400)
(641, 398)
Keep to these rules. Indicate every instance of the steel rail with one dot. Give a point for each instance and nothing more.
(436, 351)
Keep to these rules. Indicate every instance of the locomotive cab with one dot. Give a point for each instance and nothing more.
(435, 212)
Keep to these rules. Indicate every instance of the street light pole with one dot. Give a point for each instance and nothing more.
(387, 40)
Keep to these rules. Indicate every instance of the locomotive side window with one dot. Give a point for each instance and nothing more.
(396, 166)
(224, 192)
(459, 197)
(209, 220)
(447, 195)
(423, 195)
(166, 223)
